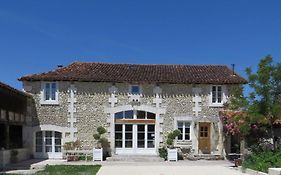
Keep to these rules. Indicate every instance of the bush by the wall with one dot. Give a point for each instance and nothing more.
(163, 152)
(261, 161)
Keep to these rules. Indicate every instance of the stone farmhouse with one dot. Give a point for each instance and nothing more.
(137, 104)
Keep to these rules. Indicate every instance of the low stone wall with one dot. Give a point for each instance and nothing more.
(6, 156)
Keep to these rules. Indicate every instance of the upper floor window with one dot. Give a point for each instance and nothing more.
(135, 89)
(49, 93)
(184, 128)
(217, 94)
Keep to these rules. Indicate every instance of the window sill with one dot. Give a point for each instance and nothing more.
(216, 105)
(49, 102)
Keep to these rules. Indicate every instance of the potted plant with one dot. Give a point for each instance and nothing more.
(172, 151)
(99, 151)
(14, 156)
(68, 146)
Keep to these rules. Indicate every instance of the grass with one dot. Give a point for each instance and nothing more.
(69, 170)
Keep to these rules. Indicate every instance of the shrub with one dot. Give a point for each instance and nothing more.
(102, 142)
(101, 130)
(169, 141)
(83, 157)
(261, 161)
(172, 136)
(14, 155)
(163, 153)
(72, 145)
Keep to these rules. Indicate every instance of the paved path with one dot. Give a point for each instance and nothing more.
(167, 168)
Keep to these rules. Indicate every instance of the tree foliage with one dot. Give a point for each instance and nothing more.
(255, 114)
(265, 98)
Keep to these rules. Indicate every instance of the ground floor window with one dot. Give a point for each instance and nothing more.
(48, 141)
(184, 128)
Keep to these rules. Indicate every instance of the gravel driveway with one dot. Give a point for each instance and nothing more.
(170, 168)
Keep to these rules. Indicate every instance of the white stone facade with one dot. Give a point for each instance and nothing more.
(84, 106)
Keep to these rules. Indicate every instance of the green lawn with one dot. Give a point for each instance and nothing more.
(70, 170)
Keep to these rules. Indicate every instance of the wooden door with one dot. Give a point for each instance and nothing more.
(204, 138)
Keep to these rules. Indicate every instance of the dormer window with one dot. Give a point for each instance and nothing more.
(49, 93)
(135, 89)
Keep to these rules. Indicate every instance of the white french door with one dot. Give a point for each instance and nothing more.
(135, 139)
(48, 144)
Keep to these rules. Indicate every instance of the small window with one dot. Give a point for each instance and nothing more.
(50, 93)
(216, 94)
(184, 128)
(135, 89)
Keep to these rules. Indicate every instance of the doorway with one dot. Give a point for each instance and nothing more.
(204, 138)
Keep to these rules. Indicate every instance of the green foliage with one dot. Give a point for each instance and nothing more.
(163, 152)
(83, 157)
(176, 133)
(266, 84)
(265, 99)
(70, 169)
(101, 130)
(261, 161)
(104, 142)
(97, 136)
(172, 136)
(237, 100)
(101, 141)
(170, 141)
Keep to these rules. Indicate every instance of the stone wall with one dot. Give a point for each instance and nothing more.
(93, 97)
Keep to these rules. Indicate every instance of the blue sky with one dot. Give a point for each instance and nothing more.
(36, 36)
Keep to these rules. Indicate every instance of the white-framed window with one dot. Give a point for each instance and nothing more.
(216, 95)
(48, 141)
(135, 89)
(184, 127)
(49, 93)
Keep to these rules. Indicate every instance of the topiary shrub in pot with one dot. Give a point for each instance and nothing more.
(102, 145)
(172, 151)
(14, 156)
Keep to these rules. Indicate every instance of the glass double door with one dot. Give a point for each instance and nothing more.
(48, 144)
(135, 138)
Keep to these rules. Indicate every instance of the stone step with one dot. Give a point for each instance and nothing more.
(209, 157)
(135, 158)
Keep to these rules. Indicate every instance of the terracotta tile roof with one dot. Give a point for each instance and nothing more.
(140, 73)
(8, 88)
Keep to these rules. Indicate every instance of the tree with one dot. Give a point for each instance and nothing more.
(234, 119)
(265, 99)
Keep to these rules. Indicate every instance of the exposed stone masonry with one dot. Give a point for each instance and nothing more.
(92, 98)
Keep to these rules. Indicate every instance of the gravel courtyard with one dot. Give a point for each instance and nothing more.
(170, 168)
